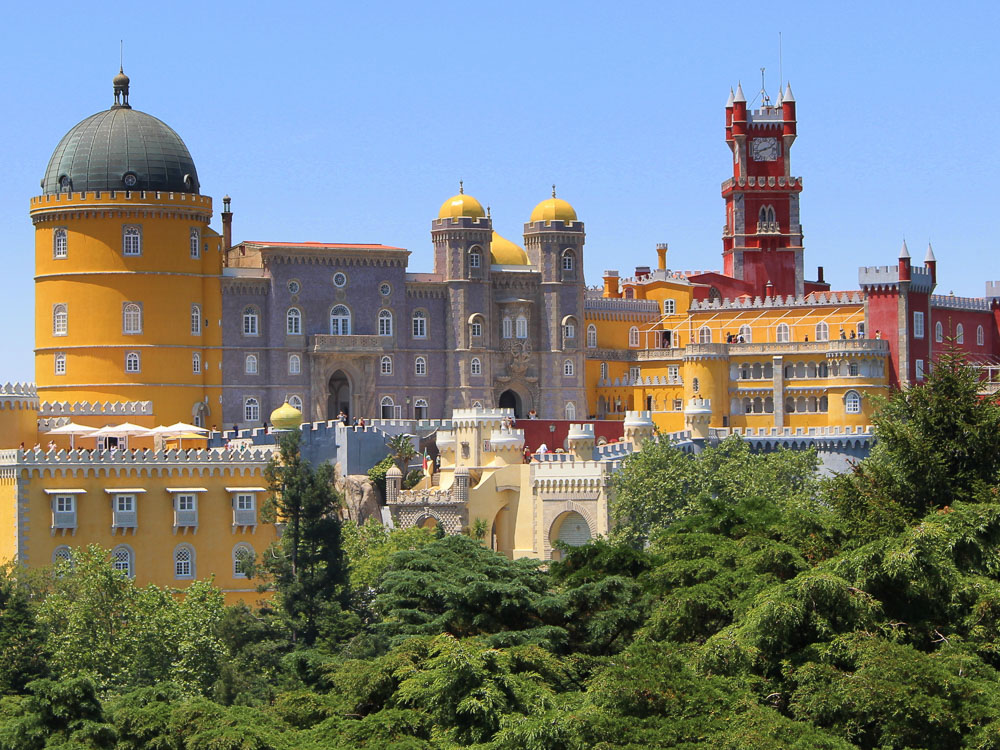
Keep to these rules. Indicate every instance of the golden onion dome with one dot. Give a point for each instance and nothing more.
(461, 205)
(503, 252)
(286, 417)
(553, 209)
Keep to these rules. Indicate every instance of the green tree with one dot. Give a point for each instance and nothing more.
(936, 443)
(307, 564)
(56, 714)
(21, 640)
(401, 450)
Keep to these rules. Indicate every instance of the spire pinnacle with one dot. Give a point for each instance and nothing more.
(729, 101)
(739, 93)
(788, 97)
(461, 187)
(904, 252)
(929, 258)
(553, 190)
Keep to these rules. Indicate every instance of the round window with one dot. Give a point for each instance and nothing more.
(65, 182)
(130, 179)
(339, 279)
(385, 290)
(293, 286)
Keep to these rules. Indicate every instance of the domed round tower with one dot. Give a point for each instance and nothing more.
(127, 295)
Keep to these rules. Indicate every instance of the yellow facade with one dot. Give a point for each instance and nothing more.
(97, 304)
(188, 516)
(768, 364)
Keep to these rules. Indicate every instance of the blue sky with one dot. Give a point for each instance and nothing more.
(352, 123)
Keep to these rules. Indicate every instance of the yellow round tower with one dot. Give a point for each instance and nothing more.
(127, 270)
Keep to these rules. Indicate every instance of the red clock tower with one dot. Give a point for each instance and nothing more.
(762, 239)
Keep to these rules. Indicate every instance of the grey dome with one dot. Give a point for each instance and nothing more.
(100, 152)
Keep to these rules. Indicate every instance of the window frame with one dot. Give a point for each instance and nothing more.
(704, 335)
(420, 366)
(293, 322)
(385, 322)
(60, 319)
(297, 360)
(59, 363)
(133, 362)
(196, 323)
(852, 402)
(669, 306)
(385, 365)
(60, 243)
(251, 364)
(938, 332)
(418, 324)
(251, 409)
(251, 321)
(344, 320)
(196, 363)
(187, 572)
(194, 242)
(123, 553)
(960, 334)
(132, 240)
(569, 368)
(476, 366)
(239, 561)
(131, 318)
(591, 336)
(633, 337)
(918, 324)
(521, 327)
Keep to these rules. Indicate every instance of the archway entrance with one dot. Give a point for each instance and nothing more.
(510, 400)
(570, 528)
(340, 395)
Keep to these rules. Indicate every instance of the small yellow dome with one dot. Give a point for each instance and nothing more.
(553, 209)
(286, 417)
(503, 252)
(461, 205)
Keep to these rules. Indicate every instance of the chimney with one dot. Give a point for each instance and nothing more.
(611, 284)
(227, 225)
(769, 289)
(661, 255)
(819, 275)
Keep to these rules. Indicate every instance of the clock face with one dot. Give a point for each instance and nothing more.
(764, 149)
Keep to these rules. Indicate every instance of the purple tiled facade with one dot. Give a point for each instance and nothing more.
(373, 370)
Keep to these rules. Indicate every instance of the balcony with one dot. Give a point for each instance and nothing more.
(360, 344)
(124, 519)
(64, 520)
(185, 518)
(245, 517)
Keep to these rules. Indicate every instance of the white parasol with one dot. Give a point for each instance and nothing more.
(125, 430)
(72, 429)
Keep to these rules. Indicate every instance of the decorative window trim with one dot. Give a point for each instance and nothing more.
(295, 401)
(918, 324)
(132, 240)
(60, 243)
(196, 363)
(508, 328)
(293, 322)
(241, 553)
(980, 336)
(131, 318)
(184, 562)
(418, 324)
(251, 409)
(294, 364)
(196, 320)
(569, 368)
(669, 307)
(385, 323)
(852, 402)
(420, 366)
(822, 331)
(633, 337)
(194, 240)
(60, 319)
(251, 321)
(959, 334)
(133, 362)
(476, 366)
(385, 365)
(938, 332)
(251, 364)
(59, 364)
(591, 336)
(339, 279)
(387, 407)
(123, 559)
(704, 335)
(782, 333)
(521, 327)
(344, 320)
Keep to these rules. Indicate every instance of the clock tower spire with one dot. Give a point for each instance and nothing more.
(762, 239)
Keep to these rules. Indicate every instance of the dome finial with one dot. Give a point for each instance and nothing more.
(488, 214)
(461, 187)
(553, 190)
(121, 82)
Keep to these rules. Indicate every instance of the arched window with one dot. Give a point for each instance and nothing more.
(568, 260)
(195, 242)
(629, 293)
(938, 332)
(420, 366)
(508, 328)
(980, 336)
(385, 365)
(60, 320)
(570, 410)
(251, 410)
(293, 322)
(60, 364)
(243, 559)
(669, 306)
(591, 336)
(59, 243)
(131, 318)
(384, 323)
(783, 333)
(476, 327)
(340, 321)
(569, 330)
(195, 320)
(475, 259)
(62, 554)
(704, 335)
(823, 371)
(521, 327)
(420, 408)
(959, 334)
(853, 369)
(294, 364)
(184, 561)
(420, 324)
(251, 321)
(633, 336)
(132, 362)
(790, 405)
(250, 366)
(604, 370)
(822, 331)
(746, 333)
(131, 240)
(387, 407)
(196, 363)
(852, 402)
(568, 368)
(123, 560)
(824, 404)
(476, 366)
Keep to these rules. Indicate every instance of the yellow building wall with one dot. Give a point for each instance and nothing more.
(95, 279)
(154, 540)
(18, 422)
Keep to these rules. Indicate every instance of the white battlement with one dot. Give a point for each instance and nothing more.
(22, 395)
(811, 300)
(214, 460)
(615, 303)
(952, 302)
(96, 408)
